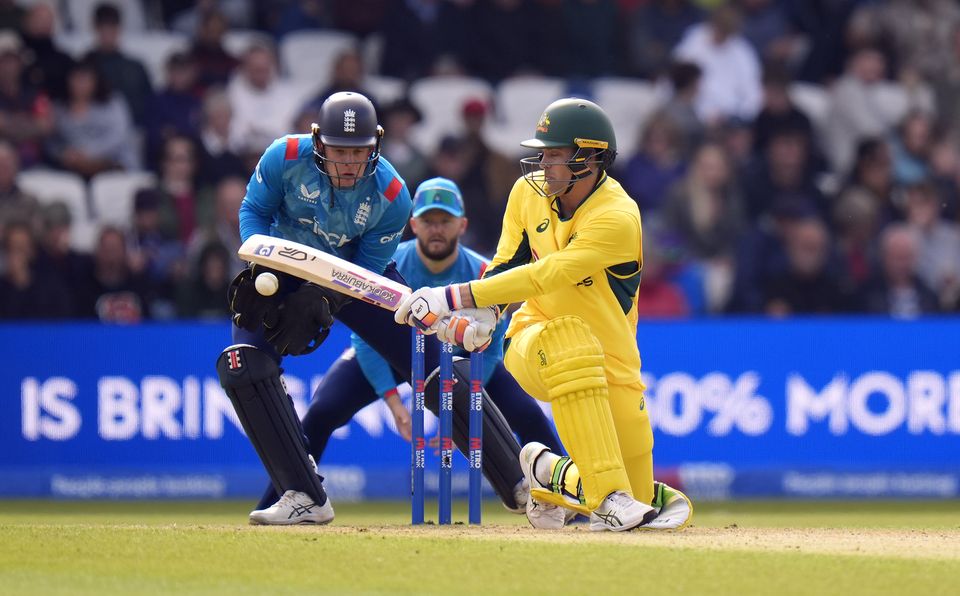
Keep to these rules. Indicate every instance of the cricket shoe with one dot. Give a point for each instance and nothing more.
(543, 516)
(294, 507)
(674, 509)
(620, 512)
(521, 494)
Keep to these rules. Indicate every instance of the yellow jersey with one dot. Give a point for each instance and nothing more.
(587, 265)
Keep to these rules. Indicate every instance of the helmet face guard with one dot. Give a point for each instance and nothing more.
(331, 168)
(579, 166)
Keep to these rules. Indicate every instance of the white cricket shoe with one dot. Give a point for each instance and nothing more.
(620, 512)
(293, 508)
(542, 516)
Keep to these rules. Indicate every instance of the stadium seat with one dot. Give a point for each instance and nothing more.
(629, 103)
(309, 55)
(80, 13)
(440, 100)
(112, 195)
(52, 186)
(521, 100)
(385, 90)
(237, 41)
(152, 49)
(74, 43)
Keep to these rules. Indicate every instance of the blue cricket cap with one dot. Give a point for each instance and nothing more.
(438, 193)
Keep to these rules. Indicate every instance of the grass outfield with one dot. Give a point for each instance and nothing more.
(58, 547)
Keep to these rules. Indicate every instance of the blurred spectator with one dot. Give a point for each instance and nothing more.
(590, 38)
(680, 108)
(654, 29)
(657, 166)
(731, 71)
(945, 173)
(938, 243)
(72, 268)
(856, 219)
(898, 291)
(116, 294)
(873, 173)
(263, 106)
(15, 205)
(500, 29)
(12, 15)
(822, 25)
(778, 111)
(659, 296)
(175, 110)
(947, 86)
(28, 290)
(93, 128)
(47, 71)
(237, 14)
(762, 254)
(783, 169)
(419, 33)
(300, 15)
(704, 210)
(735, 135)
(808, 285)
(220, 143)
(860, 107)
(204, 294)
(184, 206)
(214, 64)
(347, 75)
(124, 75)
(911, 147)
(224, 229)
(26, 117)
(921, 31)
(766, 26)
(154, 252)
(398, 118)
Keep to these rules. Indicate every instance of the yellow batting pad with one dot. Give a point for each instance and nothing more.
(572, 370)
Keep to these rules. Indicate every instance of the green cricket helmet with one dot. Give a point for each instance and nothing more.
(576, 123)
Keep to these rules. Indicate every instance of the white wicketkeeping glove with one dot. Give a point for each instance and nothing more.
(425, 307)
(469, 328)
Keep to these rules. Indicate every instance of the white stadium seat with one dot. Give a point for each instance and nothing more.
(74, 43)
(521, 100)
(385, 90)
(813, 100)
(52, 186)
(112, 195)
(152, 49)
(629, 103)
(238, 41)
(310, 55)
(441, 100)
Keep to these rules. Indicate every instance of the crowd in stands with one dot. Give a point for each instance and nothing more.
(789, 157)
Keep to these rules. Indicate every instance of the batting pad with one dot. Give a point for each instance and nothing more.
(251, 379)
(501, 451)
(573, 373)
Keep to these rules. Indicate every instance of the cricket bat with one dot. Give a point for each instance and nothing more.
(323, 269)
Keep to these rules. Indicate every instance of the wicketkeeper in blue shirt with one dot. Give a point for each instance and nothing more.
(332, 190)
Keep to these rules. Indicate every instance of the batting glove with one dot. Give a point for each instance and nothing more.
(469, 328)
(426, 307)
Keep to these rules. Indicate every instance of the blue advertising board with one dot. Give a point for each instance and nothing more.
(740, 407)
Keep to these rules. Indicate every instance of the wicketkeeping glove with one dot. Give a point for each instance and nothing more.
(250, 308)
(303, 322)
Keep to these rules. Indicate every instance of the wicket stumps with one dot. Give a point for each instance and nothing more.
(445, 415)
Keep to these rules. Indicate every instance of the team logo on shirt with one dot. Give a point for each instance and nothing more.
(363, 212)
(543, 226)
(349, 121)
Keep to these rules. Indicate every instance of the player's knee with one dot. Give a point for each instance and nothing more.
(571, 358)
(242, 365)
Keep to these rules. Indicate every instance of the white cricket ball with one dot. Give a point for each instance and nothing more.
(267, 284)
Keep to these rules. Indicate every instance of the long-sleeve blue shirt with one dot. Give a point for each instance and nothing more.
(287, 197)
(468, 266)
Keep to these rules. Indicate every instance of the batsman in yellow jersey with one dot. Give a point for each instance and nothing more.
(570, 250)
